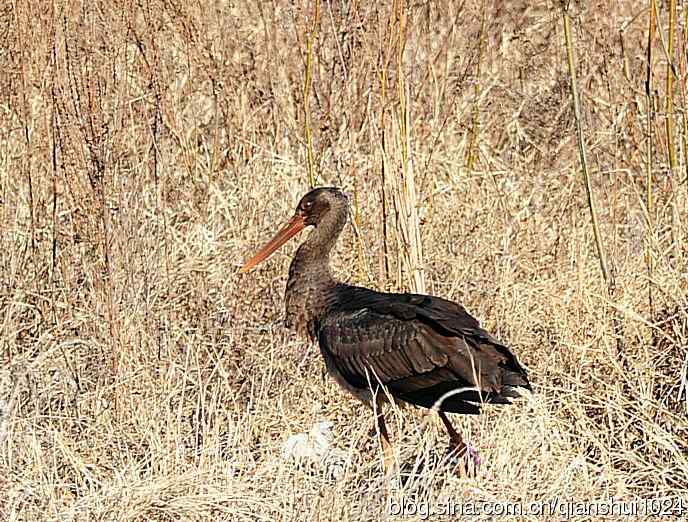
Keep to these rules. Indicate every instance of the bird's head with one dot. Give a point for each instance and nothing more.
(313, 209)
(318, 203)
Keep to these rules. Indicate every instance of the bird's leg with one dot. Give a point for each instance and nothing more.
(387, 454)
(455, 438)
(458, 448)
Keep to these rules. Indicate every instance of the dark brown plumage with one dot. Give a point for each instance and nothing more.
(420, 348)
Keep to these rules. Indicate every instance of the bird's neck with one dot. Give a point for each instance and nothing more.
(310, 284)
(312, 259)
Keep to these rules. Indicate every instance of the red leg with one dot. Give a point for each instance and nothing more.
(468, 458)
(387, 452)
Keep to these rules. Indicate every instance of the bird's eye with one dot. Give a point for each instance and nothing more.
(307, 204)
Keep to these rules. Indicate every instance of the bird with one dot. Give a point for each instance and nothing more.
(417, 349)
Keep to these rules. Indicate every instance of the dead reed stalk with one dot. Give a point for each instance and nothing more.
(23, 73)
(608, 275)
(580, 140)
(669, 94)
(475, 113)
(385, 54)
(409, 243)
(671, 75)
(308, 78)
(649, 234)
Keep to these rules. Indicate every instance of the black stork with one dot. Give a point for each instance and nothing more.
(420, 348)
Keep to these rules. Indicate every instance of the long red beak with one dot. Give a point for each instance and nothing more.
(293, 227)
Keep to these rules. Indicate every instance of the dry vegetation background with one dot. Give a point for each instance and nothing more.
(146, 148)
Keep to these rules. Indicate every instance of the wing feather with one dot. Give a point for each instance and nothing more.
(418, 346)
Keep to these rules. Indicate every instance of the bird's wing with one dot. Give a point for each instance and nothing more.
(418, 348)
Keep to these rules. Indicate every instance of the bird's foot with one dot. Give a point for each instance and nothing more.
(463, 459)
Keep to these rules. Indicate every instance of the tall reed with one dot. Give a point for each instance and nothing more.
(308, 78)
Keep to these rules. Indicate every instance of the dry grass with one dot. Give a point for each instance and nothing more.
(147, 147)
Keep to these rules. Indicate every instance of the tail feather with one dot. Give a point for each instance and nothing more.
(468, 402)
